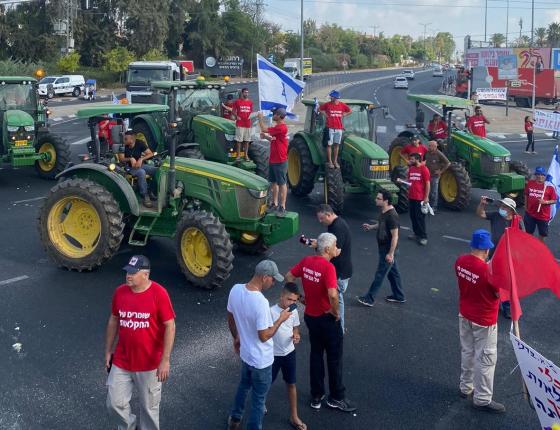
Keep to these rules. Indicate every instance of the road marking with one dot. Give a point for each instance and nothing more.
(64, 122)
(56, 119)
(456, 238)
(524, 142)
(35, 199)
(549, 134)
(381, 129)
(522, 134)
(391, 117)
(497, 135)
(81, 141)
(12, 280)
(71, 116)
(399, 128)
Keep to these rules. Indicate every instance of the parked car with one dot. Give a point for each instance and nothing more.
(51, 86)
(438, 71)
(408, 74)
(400, 82)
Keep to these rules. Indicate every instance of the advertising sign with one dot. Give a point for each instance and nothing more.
(225, 66)
(527, 58)
(555, 59)
(507, 67)
(491, 93)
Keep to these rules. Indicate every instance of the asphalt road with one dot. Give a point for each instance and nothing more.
(401, 361)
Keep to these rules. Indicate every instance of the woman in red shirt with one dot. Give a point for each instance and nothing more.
(530, 136)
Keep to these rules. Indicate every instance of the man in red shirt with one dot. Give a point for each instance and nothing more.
(476, 124)
(227, 107)
(479, 301)
(414, 147)
(241, 113)
(539, 196)
(418, 196)
(334, 112)
(437, 128)
(143, 319)
(278, 159)
(322, 317)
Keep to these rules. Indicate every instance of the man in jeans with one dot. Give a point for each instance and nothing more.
(437, 163)
(322, 317)
(478, 315)
(418, 195)
(387, 239)
(252, 329)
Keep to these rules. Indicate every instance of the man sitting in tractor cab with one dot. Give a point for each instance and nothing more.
(437, 128)
(134, 154)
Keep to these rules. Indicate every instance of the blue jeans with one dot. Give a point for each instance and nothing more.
(392, 273)
(259, 381)
(342, 285)
(140, 175)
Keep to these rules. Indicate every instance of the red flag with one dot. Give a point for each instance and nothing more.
(522, 265)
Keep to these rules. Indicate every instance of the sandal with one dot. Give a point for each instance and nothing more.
(301, 426)
(330, 165)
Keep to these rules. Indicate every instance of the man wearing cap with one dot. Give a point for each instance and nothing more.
(252, 329)
(414, 147)
(241, 113)
(539, 197)
(334, 112)
(478, 331)
(418, 196)
(143, 319)
(278, 159)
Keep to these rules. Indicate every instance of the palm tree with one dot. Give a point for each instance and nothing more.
(540, 36)
(498, 39)
(553, 34)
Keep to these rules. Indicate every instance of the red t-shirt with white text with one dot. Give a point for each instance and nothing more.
(533, 192)
(438, 129)
(478, 300)
(140, 326)
(279, 143)
(476, 124)
(528, 127)
(409, 148)
(317, 276)
(226, 113)
(242, 109)
(418, 176)
(335, 112)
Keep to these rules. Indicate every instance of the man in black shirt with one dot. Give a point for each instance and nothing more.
(134, 155)
(343, 263)
(387, 239)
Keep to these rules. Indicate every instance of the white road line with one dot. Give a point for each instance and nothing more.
(524, 141)
(12, 280)
(549, 134)
(522, 134)
(381, 129)
(71, 116)
(399, 128)
(56, 119)
(456, 238)
(81, 141)
(35, 199)
(64, 122)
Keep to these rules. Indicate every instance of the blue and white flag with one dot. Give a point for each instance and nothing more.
(553, 179)
(276, 87)
(115, 99)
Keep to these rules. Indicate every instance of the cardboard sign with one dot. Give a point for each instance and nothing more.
(491, 93)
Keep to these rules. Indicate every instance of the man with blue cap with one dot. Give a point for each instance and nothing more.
(539, 198)
(334, 111)
(479, 302)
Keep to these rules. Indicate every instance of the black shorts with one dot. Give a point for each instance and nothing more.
(277, 173)
(532, 223)
(288, 365)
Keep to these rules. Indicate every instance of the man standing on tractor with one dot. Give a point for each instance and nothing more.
(334, 111)
(476, 124)
(134, 155)
(242, 109)
(414, 147)
(437, 128)
(418, 196)
(278, 160)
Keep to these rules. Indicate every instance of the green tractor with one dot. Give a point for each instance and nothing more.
(26, 140)
(364, 166)
(204, 206)
(204, 133)
(475, 162)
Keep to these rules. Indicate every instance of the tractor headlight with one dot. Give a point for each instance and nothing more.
(497, 159)
(29, 128)
(384, 162)
(257, 194)
(12, 128)
(230, 137)
(508, 158)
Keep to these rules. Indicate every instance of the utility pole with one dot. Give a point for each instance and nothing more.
(256, 23)
(532, 47)
(507, 22)
(375, 27)
(520, 28)
(485, 19)
(301, 52)
(425, 25)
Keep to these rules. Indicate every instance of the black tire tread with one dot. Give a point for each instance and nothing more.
(335, 189)
(63, 155)
(463, 187)
(308, 169)
(259, 153)
(397, 141)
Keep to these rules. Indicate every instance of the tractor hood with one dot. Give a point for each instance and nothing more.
(368, 148)
(222, 172)
(216, 123)
(18, 118)
(483, 144)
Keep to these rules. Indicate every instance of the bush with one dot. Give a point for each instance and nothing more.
(117, 60)
(69, 63)
(19, 68)
(154, 55)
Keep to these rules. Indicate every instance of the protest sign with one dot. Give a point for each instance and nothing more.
(547, 120)
(491, 93)
(507, 67)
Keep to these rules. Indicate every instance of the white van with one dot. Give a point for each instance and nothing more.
(50, 86)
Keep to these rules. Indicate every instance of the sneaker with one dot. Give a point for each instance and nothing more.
(423, 242)
(271, 209)
(365, 301)
(146, 201)
(344, 405)
(316, 402)
(393, 299)
(534, 152)
(465, 395)
(411, 237)
(233, 423)
(281, 212)
(527, 152)
(493, 407)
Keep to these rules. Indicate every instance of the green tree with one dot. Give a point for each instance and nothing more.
(553, 35)
(94, 35)
(153, 55)
(498, 39)
(69, 63)
(117, 60)
(204, 35)
(176, 23)
(540, 36)
(147, 25)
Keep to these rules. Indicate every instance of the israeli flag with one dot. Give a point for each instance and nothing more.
(276, 87)
(553, 179)
(115, 99)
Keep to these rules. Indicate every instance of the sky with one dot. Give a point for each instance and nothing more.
(407, 16)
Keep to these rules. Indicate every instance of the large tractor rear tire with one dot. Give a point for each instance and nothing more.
(301, 170)
(58, 151)
(522, 169)
(259, 153)
(144, 133)
(80, 224)
(192, 152)
(334, 190)
(455, 187)
(204, 249)
(395, 148)
(401, 172)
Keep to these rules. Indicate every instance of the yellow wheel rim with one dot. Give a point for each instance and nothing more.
(47, 165)
(249, 238)
(395, 157)
(196, 252)
(74, 227)
(294, 166)
(448, 186)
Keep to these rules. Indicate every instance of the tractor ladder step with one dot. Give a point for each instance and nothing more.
(141, 230)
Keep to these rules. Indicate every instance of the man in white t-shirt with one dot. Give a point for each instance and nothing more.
(251, 326)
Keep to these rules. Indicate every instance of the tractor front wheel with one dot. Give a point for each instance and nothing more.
(204, 249)
(334, 190)
(455, 187)
(301, 170)
(400, 172)
(57, 156)
(259, 154)
(80, 224)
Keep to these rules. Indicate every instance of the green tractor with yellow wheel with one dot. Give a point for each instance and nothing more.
(205, 207)
(26, 140)
(364, 166)
(476, 162)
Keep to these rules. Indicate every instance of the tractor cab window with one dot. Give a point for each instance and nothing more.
(358, 121)
(18, 96)
(200, 100)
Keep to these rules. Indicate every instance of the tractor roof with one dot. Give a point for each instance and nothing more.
(441, 100)
(311, 102)
(130, 109)
(192, 84)
(16, 79)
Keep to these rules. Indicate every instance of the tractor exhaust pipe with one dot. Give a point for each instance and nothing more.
(94, 134)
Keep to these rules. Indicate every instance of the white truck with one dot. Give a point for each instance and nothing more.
(140, 74)
(292, 66)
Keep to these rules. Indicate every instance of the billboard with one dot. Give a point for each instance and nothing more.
(526, 57)
(224, 66)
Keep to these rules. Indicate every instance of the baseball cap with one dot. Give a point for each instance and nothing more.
(268, 268)
(280, 111)
(137, 263)
(510, 203)
(540, 171)
(481, 239)
(335, 94)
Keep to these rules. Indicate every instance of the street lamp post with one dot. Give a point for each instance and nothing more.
(485, 19)
(301, 53)
(532, 47)
(425, 25)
